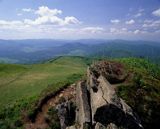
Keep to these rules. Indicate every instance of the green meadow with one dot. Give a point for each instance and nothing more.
(22, 85)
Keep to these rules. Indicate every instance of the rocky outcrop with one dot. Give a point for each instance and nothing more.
(66, 114)
(114, 72)
(98, 106)
(83, 111)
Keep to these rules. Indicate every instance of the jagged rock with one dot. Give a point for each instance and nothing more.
(114, 72)
(97, 105)
(99, 126)
(107, 108)
(66, 114)
(83, 112)
(91, 81)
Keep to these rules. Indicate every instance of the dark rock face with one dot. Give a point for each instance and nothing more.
(113, 72)
(113, 114)
(66, 114)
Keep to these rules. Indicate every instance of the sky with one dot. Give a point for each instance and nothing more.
(80, 19)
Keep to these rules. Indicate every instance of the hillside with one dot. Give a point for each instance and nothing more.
(142, 90)
(27, 87)
(22, 85)
(116, 94)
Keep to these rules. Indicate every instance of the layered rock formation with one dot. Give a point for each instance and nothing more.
(98, 106)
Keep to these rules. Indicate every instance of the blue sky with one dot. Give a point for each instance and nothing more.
(80, 19)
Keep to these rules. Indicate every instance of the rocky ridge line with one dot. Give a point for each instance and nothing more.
(97, 105)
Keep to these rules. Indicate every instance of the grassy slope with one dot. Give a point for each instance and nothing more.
(22, 84)
(142, 92)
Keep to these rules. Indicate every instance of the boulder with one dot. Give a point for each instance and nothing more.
(107, 108)
(83, 111)
(114, 72)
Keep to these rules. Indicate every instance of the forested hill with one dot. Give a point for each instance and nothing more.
(33, 51)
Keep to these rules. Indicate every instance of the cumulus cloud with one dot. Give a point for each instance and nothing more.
(141, 10)
(130, 22)
(151, 23)
(92, 29)
(138, 15)
(83, 30)
(49, 16)
(67, 30)
(148, 21)
(12, 25)
(71, 20)
(27, 10)
(45, 17)
(3, 23)
(115, 21)
(125, 31)
(156, 12)
(136, 31)
(45, 11)
(19, 14)
(119, 31)
(49, 22)
(114, 30)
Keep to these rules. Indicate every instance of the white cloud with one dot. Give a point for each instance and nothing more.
(12, 25)
(71, 20)
(115, 21)
(49, 16)
(156, 12)
(148, 21)
(53, 20)
(114, 30)
(19, 14)
(151, 23)
(124, 29)
(136, 31)
(83, 30)
(119, 31)
(47, 20)
(92, 29)
(130, 22)
(67, 30)
(27, 10)
(45, 11)
(3, 22)
(138, 15)
(141, 10)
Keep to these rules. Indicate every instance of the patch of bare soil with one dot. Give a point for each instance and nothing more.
(40, 121)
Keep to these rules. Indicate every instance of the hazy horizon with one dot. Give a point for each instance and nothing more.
(157, 41)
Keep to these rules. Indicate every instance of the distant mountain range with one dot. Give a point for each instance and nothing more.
(37, 50)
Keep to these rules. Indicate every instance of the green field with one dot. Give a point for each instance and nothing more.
(21, 85)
